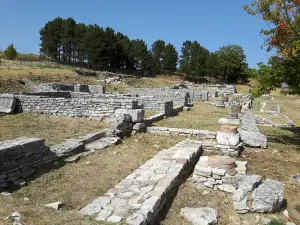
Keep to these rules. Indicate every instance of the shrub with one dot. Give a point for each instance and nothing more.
(10, 52)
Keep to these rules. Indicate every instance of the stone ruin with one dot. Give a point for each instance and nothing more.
(140, 198)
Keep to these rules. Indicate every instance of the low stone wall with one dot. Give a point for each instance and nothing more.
(144, 102)
(140, 197)
(92, 108)
(19, 158)
(180, 97)
(52, 87)
(203, 134)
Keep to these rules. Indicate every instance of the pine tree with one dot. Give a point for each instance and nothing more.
(10, 52)
(170, 59)
(158, 50)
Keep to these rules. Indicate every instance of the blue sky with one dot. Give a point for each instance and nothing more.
(212, 23)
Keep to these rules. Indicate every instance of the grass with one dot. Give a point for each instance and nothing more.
(149, 113)
(78, 184)
(289, 105)
(202, 116)
(53, 129)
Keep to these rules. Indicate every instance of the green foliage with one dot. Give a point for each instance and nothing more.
(231, 63)
(228, 63)
(158, 50)
(10, 52)
(271, 76)
(68, 42)
(282, 34)
(274, 222)
(170, 59)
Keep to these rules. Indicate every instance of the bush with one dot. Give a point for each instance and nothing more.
(10, 52)
(274, 222)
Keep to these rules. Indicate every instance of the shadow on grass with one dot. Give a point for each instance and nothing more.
(284, 138)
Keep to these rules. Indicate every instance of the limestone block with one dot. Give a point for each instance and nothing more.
(137, 115)
(230, 139)
(268, 197)
(229, 121)
(7, 103)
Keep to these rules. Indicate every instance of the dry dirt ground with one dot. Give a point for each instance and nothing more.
(80, 183)
(202, 116)
(53, 129)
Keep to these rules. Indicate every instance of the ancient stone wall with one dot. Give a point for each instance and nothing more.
(53, 87)
(180, 97)
(144, 102)
(205, 134)
(19, 158)
(141, 196)
(92, 108)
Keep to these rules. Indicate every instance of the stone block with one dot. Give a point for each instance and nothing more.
(137, 115)
(7, 103)
(228, 138)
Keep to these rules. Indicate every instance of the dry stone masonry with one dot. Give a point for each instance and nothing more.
(20, 158)
(140, 197)
(212, 172)
(92, 108)
(250, 134)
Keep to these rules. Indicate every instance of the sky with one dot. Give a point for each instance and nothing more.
(212, 23)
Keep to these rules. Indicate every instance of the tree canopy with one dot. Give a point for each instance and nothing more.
(10, 52)
(69, 42)
(283, 35)
(228, 63)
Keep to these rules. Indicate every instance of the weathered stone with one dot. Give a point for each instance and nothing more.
(241, 206)
(136, 219)
(73, 159)
(55, 205)
(203, 171)
(228, 138)
(7, 103)
(105, 213)
(96, 145)
(268, 197)
(114, 219)
(122, 125)
(140, 127)
(67, 148)
(137, 115)
(200, 216)
(229, 121)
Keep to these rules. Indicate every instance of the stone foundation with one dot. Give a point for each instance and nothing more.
(212, 172)
(91, 108)
(139, 198)
(204, 134)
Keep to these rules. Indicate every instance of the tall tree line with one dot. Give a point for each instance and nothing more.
(69, 42)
